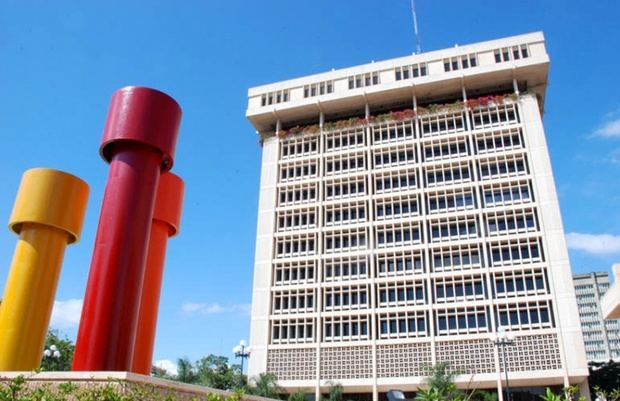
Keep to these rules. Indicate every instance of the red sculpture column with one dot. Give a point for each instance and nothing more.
(166, 219)
(138, 141)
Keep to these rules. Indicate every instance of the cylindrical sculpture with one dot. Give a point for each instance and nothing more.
(48, 214)
(166, 219)
(138, 141)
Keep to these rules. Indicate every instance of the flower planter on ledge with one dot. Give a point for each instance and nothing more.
(393, 116)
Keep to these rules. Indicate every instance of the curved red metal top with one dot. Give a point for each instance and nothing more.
(145, 116)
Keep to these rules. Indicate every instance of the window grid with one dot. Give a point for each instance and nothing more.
(404, 263)
(453, 228)
(451, 200)
(400, 293)
(345, 163)
(345, 187)
(291, 273)
(402, 325)
(507, 222)
(345, 268)
(525, 315)
(396, 207)
(395, 181)
(520, 283)
(394, 156)
(345, 213)
(398, 234)
(293, 301)
(445, 149)
(363, 80)
(296, 219)
(499, 140)
(298, 146)
(494, 116)
(442, 124)
(296, 245)
(345, 240)
(298, 170)
(447, 174)
(511, 53)
(460, 63)
(467, 320)
(516, 251)
(297, 194)
(410, 71)
(507, 193)
(503, 166)
(319, 88)
(456, 258)
(394, 131)
(346, 298)
(344, 139)
(275, 97)
(460, 288)
(292, 331)
(346, 328)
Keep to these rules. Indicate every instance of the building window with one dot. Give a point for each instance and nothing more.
(270, 98)
(525, 315)
(468, 320)
(456, 258)
(399, 263)
(345, 328)
(287, 273)
(318, 88)
(511, 53)
(515, 252)
(402, 325)
(344, 188)
(460, 62)
(346, 268)
(346, 298)
(395, 235)
(456, 289)
(363, 80)
(395, 181)
(410, 71)
(396, 207)
(292, 331)
(393, 132)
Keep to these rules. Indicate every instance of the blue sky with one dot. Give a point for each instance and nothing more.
(60, 62)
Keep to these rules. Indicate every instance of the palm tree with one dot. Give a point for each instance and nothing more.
(186, 372)
(266, 385)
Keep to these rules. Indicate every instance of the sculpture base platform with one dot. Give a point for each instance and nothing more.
(134, 386)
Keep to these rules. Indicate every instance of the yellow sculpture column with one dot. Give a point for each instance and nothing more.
(47, 215)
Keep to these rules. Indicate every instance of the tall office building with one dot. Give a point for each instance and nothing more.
(601, 337)
(407, 212)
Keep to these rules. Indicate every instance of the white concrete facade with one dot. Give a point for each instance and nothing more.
(386, 246)
(601, 338)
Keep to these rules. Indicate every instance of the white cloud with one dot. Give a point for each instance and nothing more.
(193, 308)
(66, 314)
(611, 129)
(167, 365)
(597, 244)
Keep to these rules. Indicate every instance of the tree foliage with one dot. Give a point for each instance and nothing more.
(66, 349)
(265, 385)
(605, 376)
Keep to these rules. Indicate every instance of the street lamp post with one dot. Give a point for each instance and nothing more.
(242, 351)
(52, 352)
(501, 339)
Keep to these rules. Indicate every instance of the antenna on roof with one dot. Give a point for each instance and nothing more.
(418, 48)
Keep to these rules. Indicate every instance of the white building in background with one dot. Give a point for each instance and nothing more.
(601, 337)
(610, 303)
(390, 242)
